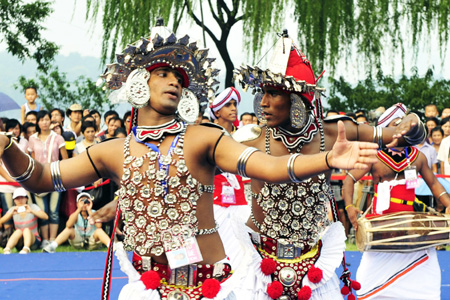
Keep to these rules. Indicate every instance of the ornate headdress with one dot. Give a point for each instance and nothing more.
(288, 70)
(163, 49)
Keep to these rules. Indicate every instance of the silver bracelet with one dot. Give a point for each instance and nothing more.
(351, 176)
(205, 231)
(28, 172)
(290, 168)
(374, 134)
(380, 137)
(442, 194)
(56, 177)
(242, 160)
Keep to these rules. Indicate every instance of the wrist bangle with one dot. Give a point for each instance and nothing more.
(10, 136)
(349, 206)
(442, 194)
(326, 160)
(352, 177)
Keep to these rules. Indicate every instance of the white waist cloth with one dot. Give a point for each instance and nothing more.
(333, 247)
(409, 276)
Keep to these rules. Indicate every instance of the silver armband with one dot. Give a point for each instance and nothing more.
(28, 172)
(56, 177)
(290, 167)
(380, 137)
(242, 160)
(418, 136)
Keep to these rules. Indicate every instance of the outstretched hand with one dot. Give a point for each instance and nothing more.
(352, 213)
(348, 155)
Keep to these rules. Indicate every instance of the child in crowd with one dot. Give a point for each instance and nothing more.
(31, 117)
(78, 230)
(88, 131)
(25, 221)
(31, 105)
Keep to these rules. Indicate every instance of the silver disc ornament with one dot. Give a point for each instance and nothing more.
(137, 90)
(188, 107)
(298, 111)
(258, 109)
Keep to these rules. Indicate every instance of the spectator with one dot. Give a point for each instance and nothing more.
(25, 221)
(98, 119)
(431, 122)
(360, 112)
(56, 127)
(88, 131)
(86, 118)
(362, 119)
(31, 105)
(437, 134)
(108, 115)
(254, 119)
(28, 129)
(57, 115)
(429, 153)
(127, 120)
(431, 111)
(14, 126)
(45, 146)
(445, 113)
(31, 117)
(74, 113)
(331, 113)
(246, 118)
(205, 119)
(78, 231)
(120, 133)
(113, 123)
(445, 125)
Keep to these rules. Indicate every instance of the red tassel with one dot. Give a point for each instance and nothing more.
(275, 290)
(351, 297)
(304, 293)
(268, 266)
(356, 285)
(315, 275)
(210, 288)
(151, 280)
(345, 290)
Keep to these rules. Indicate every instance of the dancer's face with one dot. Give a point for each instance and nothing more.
(276, 107)
(165, 90)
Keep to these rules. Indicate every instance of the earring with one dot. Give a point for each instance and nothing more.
(137, 90)
(188, 108)
(298, 111)
(258, 109)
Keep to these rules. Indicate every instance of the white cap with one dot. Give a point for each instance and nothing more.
(394, 112)
(20, 192)
(84, 194)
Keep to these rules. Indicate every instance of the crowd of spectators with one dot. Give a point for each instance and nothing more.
(49, 135)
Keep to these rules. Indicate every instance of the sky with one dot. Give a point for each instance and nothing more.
(68, 28)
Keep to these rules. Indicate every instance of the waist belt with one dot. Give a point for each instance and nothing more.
(187, 276)
(280, 250)
(400, 201)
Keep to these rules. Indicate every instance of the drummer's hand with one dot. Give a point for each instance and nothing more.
(406, 125)
(104, 214)
(352, 213)
(447, 210)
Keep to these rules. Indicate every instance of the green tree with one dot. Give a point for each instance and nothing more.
(56, 91)
(415, 92)
(20, 29)
(328, 30)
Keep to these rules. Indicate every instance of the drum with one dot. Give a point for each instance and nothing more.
(402, 232)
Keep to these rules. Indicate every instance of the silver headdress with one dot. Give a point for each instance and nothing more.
(148, 54)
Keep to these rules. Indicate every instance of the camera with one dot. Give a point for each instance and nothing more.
(86, 201)
(21, 209)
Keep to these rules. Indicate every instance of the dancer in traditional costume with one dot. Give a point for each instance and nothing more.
(386, 275)
(289, 225)
(165, 169)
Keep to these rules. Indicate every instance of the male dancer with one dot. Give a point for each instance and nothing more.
(289, 222)
(414, 275)
(166, 175)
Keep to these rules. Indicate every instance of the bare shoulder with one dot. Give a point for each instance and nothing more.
(205, 134)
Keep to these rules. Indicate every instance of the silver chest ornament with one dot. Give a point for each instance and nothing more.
(287, 276)
(177, 295)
